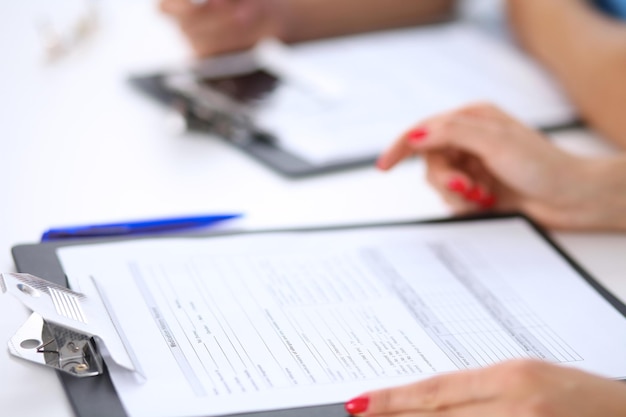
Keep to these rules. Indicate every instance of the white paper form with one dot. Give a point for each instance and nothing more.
(261, 322)
(383, 83)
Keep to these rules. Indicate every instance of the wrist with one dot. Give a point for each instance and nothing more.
(602, 202)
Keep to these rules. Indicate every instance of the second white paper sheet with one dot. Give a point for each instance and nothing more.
(260, 322)
(369, 88)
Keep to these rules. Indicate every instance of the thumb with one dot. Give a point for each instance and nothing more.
(477, 136)
(480, 137)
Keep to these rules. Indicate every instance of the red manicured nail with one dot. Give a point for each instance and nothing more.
(457, 185)
(357, 405)
(476, 194)
(488, 202)
(417, 135)
(380, 164)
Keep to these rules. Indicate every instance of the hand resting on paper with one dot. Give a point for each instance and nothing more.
(521, 388)
(479, 158)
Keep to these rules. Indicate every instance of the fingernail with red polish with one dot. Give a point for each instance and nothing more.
(476, 194)
(488, 202)
(357, 405)
(417, 135)
(457, 185)
(380, 164)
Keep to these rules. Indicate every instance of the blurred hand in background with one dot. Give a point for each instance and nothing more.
(217, 26)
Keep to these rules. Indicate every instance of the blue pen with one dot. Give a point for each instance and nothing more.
(135, 227)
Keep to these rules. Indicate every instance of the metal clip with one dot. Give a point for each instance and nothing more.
(56, 346)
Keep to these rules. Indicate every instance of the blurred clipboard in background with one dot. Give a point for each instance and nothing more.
(331, 104)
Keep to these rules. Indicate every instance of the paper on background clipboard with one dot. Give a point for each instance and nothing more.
(374, 86)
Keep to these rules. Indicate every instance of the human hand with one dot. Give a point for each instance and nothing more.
(480, 158)
(217, 26)
(517, 388)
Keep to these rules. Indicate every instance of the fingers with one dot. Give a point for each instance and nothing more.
(183, 9)
(197, 21)
(483, 409)
(401, 149)
(485, 110)
(217, 26)
(207, 32)
(405, 145)
(478, 129)
(440, 392)
(463, 190)
(458, 176)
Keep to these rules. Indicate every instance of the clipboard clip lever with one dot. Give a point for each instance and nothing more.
(57, 333)
(57, 347)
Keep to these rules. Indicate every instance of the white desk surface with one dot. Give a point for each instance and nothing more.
(79, 146)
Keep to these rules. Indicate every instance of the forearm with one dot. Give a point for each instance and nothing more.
(585, 50)
(311, 19)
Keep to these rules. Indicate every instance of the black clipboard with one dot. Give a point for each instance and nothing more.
(96, 396)
(259, 145)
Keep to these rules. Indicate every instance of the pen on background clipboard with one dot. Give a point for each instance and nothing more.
(138, 227)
